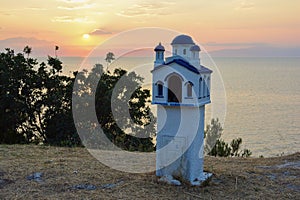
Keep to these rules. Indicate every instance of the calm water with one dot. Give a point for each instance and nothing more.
(263, 103)
(263, 100)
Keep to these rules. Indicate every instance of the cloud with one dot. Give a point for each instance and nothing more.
(100, 32)
(145, 9)
(73, 1)
(69, 19)
(97, 13)
(39, 47)
(267, 51)
(11, 12)
(21, 41)
(85, 6)
(240, 44)
(5, 13)
(36, 8)
(245, 5)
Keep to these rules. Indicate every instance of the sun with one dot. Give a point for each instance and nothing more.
(86, 36)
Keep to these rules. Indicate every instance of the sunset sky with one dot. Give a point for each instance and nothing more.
(79, 25)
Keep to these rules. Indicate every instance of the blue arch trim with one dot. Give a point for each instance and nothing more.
(174, 74)
(185, 64)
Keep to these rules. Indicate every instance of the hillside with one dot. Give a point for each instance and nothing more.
(72, 173)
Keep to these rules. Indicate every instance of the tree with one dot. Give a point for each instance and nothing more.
(36, 104)
(107, 93)
(27, 50)
(33, 99)
(215, 146)
(109, 58)
(15, 87)
(56, 48)
(52, 113)
(212, 133)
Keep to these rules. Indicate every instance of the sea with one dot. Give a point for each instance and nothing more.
(260, 97)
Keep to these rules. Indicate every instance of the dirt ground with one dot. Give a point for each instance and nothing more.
(72, 173)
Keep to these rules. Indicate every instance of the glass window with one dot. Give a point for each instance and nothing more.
(200, 87)
(204, 87)
(189, 90)
(208, 86)
(159, 89)
(184, 51)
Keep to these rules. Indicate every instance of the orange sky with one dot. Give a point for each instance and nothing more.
(215, 24)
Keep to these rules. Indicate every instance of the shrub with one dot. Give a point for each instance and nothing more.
(215, 146)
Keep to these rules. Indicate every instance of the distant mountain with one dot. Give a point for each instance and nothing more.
(42, 48)
(39, 47)
(265, 51)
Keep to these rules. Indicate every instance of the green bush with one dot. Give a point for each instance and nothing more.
(36, 104)
(215, 146)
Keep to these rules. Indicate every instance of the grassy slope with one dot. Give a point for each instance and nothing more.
(234, 178)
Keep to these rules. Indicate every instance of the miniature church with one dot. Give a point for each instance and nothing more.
(180, 89)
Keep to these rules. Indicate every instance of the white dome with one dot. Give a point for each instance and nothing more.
(182, 39)
(159, 47)
(195, 48)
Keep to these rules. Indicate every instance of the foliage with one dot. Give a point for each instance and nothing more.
(36, 103)
(212, 133)
(109, 58)
(215, 146)
(15, 85)
(117, 88)
(35, 100)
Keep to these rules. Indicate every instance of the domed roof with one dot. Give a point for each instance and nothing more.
(195, 48)
(159, 47)
(182, 39)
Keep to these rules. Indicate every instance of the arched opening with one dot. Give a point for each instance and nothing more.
(174, 89)
(189, 89)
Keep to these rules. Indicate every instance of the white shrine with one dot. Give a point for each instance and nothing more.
(180, 89)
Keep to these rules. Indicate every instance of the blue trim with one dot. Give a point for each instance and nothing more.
(181, 104)
(174, 74)
(182, 62)
(189, 82)
(185, 64)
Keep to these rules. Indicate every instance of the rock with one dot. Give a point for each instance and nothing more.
(93, 187)
(202, 180)
(4, 182)
(36, 176)
(111, 185)
(170, 180)
(84, 186)
(48, 161)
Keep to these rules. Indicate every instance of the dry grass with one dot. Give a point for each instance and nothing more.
(234, 178)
